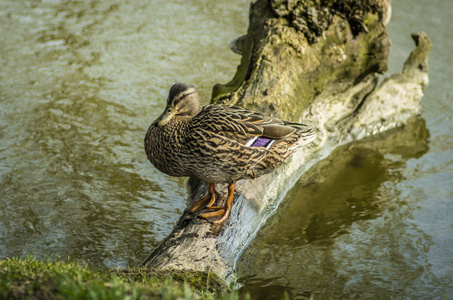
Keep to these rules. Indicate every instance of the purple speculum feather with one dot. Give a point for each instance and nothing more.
(262, 142)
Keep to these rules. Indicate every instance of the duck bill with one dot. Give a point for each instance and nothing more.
(166, 116)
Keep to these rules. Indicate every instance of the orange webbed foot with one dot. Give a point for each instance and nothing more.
(219, 214)
(210, 199)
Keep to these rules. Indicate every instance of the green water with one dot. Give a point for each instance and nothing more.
(79, 85)
(377, 221)
(81, 81)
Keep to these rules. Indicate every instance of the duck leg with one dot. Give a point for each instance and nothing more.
(221, 212)
(210, 196)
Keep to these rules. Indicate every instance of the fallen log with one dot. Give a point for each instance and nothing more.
(321, 67)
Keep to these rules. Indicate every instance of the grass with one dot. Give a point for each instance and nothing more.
(31, 278)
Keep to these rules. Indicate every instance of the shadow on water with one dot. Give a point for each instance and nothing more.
(341, 202)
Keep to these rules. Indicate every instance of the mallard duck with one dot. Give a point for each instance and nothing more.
(218, 144)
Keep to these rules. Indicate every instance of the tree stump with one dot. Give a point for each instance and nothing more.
(303, 62)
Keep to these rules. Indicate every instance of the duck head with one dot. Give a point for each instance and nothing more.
(183, 100)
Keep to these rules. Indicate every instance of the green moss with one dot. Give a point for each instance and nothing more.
(313, 17)
(58, 279)
(199, 281)
(220, 91)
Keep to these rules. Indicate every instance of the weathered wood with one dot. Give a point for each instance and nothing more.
(282, 73)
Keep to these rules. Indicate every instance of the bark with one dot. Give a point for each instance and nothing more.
(304, 62)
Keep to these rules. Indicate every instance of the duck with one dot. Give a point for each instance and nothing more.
(218, 144)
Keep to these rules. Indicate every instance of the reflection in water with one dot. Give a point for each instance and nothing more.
(345, 231)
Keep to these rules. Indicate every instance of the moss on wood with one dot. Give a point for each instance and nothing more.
(283, 69)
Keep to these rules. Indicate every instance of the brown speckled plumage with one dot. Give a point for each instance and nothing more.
(213, 142)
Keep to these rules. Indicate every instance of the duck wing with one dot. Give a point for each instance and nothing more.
(233, 143)
(243, 125)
